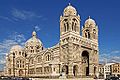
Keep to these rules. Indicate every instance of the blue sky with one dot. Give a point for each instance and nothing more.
(18, 18)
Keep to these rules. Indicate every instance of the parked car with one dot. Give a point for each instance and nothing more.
(113, 78)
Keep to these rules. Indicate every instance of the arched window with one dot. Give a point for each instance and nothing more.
(23, 64)
(87, 34)
(23, 54)
(74, 25)
(94, 34)
(42, 48)
(31, 47)
(19, 53)
(20, 64)
(66, 25)
(32, 61)
(39, 59)
(48, 57)
(17, 64)
(37, 47)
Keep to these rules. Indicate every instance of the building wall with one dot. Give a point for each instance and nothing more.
(101, 70)
(116, 69)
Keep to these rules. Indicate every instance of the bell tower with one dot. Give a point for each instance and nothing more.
(90, 29)
(70, 21)
(69, 37)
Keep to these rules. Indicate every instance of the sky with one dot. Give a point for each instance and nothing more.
(18, 18)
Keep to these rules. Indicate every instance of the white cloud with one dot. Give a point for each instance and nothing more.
(112, 56)
(37, 28)
(2, 61)
(103, 57)
(18, 38)
(116, 51)
(23, 14)
(115, 59)
(6, 18)
(5, 45)
(17, 15)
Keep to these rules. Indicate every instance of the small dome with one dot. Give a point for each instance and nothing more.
(69, 10)
(90, 21)
(16, 47)
(34, 40)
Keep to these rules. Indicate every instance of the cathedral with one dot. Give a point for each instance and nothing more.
(76, 55)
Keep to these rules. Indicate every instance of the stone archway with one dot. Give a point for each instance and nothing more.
(85, 62)
(65, 69)
(75, 70)
(21, 72)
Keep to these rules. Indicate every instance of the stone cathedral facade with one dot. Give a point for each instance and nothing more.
(76, 55)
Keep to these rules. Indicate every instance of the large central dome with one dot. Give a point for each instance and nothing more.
(69, 10)
(33, 44)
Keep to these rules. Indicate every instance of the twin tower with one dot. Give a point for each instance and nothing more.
(70, 22)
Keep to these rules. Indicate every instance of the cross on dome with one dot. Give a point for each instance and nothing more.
(89, 17)
(69, 4)
(34, 34)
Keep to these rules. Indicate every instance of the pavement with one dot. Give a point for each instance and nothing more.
(67, 79)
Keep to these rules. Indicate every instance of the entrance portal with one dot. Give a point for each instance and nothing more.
(65, 69)
(75, 70)
(85, 62)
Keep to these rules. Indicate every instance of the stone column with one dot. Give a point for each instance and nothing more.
(34, 70)
(42, 69)
(52, 68)
(91, 65)
(61, 68)
(53, 72)
(79, 70)
(70, 71)
(91, 70)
